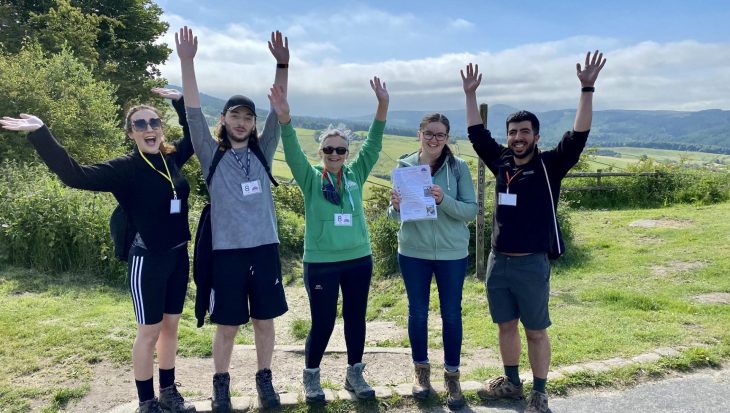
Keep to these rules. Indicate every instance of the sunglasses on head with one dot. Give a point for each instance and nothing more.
(341, 150)
(140, 125)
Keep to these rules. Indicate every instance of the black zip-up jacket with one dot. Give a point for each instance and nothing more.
(527, 227)
(144, 194)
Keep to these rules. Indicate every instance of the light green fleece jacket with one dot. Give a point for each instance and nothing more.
(323, 241)
(447, 237)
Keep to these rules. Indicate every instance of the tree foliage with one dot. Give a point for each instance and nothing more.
(62, 92)
(115, 38)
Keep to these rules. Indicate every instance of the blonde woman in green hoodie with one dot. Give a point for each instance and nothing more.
(337, 250)
(436, 248)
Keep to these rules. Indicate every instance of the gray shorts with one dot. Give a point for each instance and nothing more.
(519, 287)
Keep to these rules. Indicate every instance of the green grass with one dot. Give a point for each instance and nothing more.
(622, 291)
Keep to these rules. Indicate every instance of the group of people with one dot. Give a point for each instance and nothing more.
(246, 280)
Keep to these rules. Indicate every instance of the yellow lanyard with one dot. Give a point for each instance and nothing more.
(168, 176)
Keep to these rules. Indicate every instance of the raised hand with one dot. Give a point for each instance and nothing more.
(593, 65)
(381, 91)
(167, 93)
(279, 47)
(279, 103)
(186, 44)
(27, 123)
(472, 79)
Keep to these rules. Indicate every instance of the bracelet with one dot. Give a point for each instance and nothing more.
(282, 65)
(588, 89)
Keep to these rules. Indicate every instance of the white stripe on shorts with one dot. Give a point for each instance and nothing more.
(211, 306)
(136, 286)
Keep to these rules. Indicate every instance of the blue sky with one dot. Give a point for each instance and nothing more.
(671, 54)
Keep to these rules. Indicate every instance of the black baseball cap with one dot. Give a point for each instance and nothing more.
(237, 101)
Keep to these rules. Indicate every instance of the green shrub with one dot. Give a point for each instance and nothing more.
(289, 197)
(291, 232)
(384, 243)
(45, 225)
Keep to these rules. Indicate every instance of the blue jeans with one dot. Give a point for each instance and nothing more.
(450, 274)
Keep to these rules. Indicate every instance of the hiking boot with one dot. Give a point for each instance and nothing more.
(221, 402)
(355, 382)
(455, 398)
(150, 406)
(171, 401)
(499, 388)
(267, 395)
(537, 402)
(312, 388)
(421, 381)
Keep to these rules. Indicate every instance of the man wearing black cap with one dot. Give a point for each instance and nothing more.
(246, 276)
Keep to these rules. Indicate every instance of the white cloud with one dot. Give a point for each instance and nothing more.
(460, 24)
(685, 75)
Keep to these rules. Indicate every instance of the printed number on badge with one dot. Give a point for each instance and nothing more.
(343, 220)
(251, 188)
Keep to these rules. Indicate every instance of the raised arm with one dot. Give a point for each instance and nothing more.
(587, 76)
(187, 46)
(184, 146)
(471, 82)
(279, 47)
(370, 150)
(381, 93)
(301, 169)
(108, 176)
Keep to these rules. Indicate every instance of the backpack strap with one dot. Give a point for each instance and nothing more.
(213, 165)
(260, 155)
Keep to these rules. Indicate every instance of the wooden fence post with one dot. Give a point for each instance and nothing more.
(481, 169)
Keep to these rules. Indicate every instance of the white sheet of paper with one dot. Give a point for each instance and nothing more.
(414, 184)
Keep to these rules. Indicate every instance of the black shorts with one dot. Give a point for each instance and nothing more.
(246, 284)
(519, 287)
(158, 282)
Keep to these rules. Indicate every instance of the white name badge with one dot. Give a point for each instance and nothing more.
(174, 206)
(251, 188)
(343, 220)
(507, 199)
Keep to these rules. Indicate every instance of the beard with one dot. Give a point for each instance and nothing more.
(234, 138)
(528, 151)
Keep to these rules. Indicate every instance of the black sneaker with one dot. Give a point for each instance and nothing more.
(267, 395)
(221, 402)
(150, 406)
(172, 401)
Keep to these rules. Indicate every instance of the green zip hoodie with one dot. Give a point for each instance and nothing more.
(447, 237)
(323, 241)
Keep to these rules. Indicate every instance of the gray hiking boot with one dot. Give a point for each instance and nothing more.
(537, 402)
(221, 402)
(498, 388)
(171, 401)
(356, 383)
(150, 406)
(455, 398)
(421, 381)
(312, 388)
(268, 397)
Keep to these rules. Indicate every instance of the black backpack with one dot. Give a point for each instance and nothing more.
(123, 232)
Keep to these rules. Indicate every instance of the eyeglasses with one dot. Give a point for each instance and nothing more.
(140, 125)
(428, 135)
(341, 150)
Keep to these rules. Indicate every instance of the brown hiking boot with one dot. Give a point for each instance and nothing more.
(537, 402)
(421, 381)
(455, 398)
(498, 388)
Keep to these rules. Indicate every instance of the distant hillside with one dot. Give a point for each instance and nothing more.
(703, 131)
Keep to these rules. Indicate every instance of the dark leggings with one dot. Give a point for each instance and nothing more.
(323, 281)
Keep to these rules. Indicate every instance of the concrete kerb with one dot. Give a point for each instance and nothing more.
(247, 404)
